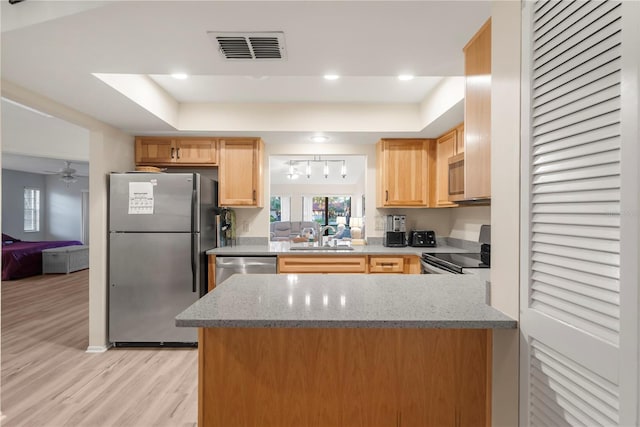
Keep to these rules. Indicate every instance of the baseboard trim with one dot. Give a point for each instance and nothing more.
(97, 348)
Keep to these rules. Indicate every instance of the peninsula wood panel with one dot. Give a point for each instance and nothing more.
(268, 377)
(240, 172)
(403, 172)
(477, 114)
(211, 272)
(322, 264)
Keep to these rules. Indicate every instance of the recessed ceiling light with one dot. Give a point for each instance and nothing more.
(405, 77)
(180, 76)
(331, 77)
(319, 138)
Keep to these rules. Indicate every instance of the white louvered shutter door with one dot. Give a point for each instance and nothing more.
(573, 317)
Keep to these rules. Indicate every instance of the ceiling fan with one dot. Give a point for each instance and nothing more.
(67, 174)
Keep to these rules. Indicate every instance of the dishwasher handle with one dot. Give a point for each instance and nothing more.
(244, 264)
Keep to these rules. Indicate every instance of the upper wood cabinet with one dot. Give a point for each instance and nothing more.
(168, 151)
(403, 172)
(240, 173)
(477, 115)
(449, 152)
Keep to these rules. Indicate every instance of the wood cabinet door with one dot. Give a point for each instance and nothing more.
(197, 151)
(477, 115)
(459, 139)
(404, 172)
(446, 147)
(155, 151)
(386, 264)
(322, 264)
(240, 172)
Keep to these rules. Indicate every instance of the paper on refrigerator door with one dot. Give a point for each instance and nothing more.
(140, 198)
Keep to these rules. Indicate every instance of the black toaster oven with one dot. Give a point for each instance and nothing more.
(422, 238)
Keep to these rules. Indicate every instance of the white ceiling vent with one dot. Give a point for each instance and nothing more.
(250, 46)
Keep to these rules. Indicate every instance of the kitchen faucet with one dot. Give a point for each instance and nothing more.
(326, 227)
(321, 233)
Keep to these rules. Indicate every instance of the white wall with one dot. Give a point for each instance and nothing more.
(466, 221)
(64, 140)
(505, 203)
(64, 208)
(13, 184)
(109, 150)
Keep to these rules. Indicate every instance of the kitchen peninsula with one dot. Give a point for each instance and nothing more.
(345, 350)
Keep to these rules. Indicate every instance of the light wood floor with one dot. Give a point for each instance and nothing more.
(49, 380)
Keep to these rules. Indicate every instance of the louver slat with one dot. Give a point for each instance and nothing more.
(578, 197)
(608, 119)
(579, 100)
(577, 265)
(573, 169)
(545, 14)
(567, 20)
(557, 295)
(581, 208)
(580, 94)
(556, 152)
(578, 276)
(579, 116)
(594, 232)
(606, 295)
(584, 140)
(564, 391)
(580, 52)
(568, 37)
(599, 245)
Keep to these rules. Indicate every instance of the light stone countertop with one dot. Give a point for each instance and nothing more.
(346, 301)
(279, 248)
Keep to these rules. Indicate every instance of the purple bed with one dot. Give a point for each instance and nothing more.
(22, 259)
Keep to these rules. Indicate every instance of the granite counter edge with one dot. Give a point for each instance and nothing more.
(351, 324)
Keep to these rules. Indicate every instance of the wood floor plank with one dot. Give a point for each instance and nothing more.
(49, 380)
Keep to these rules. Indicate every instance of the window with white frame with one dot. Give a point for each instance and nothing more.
(31, 209)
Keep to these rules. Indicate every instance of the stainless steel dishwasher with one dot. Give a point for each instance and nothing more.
(229, 265)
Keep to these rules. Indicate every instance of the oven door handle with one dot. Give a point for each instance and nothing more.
(432, 269)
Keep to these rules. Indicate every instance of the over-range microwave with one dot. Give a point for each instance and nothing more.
(456, 177)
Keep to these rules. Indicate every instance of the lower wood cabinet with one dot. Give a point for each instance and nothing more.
(322, 264)
(302, 377)
(373, 264)
(398, 264)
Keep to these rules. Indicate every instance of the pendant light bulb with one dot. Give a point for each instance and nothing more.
(308, 169)
(343, 169)
(326, 169)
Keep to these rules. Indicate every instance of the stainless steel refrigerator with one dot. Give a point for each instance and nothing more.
(160, 225)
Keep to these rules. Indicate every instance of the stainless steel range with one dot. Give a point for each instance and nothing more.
(452, 263)
(455, 263)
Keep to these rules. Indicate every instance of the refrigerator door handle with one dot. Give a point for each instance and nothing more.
(194, 241)
(194, 267)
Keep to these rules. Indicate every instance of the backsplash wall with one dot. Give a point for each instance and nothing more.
(466, 221)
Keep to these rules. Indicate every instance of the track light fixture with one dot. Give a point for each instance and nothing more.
(293, 171)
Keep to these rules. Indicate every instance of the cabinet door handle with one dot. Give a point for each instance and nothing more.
(386, 264)
(178, 153)
(173, 151)
(386, 196)
(254, 195)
